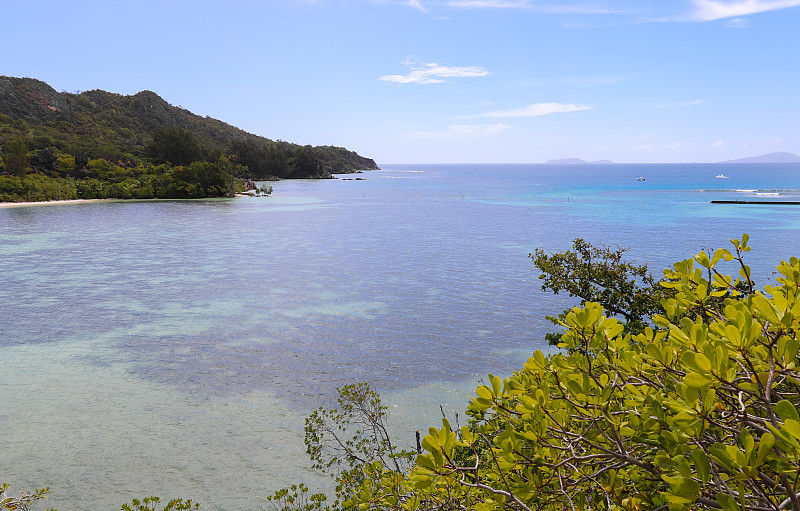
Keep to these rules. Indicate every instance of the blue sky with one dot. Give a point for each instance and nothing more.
(443, 81)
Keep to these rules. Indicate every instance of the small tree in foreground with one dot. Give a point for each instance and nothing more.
(699, 411)
(22, 502)
(153, 503)
(601, 274)
(351, 443)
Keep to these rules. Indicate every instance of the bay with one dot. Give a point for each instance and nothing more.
(174, 347)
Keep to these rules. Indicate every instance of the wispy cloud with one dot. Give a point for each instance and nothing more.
(674, 104)
(561, 8)
(482, 4)
(737, 23)
(710, 10)
(462, 131)
(592, 81)
(433, 73)
(536, 110)
(416, 4)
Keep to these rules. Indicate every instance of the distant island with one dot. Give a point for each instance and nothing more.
(574, 161)
(98, 144)
(780, 157)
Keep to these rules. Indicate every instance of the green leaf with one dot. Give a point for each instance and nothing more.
(727, 502)
(764, 448)
(687, 487)
(484, 392)
(786, 410)
(766, 308)
(497, 385)
(425, 462)
(429, 443)
(720, 454)
(696, 380)
(720, 252)
(438, 458)
(702, 362)
(793, 427)
(702, 465)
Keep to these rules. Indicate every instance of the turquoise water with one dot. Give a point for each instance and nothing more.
(174, 347)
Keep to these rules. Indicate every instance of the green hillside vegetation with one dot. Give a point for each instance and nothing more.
(97, 144)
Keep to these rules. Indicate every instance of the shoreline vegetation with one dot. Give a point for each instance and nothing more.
(100, 145)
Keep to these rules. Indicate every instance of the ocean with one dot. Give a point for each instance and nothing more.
(173, 348)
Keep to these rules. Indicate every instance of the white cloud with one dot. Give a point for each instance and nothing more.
(675, 145)
(710, 10)
(416, 4)
(537, 109)
(719, 144)
(433, 73)
(462, 131)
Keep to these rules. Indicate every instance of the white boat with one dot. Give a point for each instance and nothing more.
(640, 178)
(721, 176)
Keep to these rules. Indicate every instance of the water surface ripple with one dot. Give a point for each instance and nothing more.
(174, 347)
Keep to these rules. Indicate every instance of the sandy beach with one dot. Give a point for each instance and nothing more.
(48, 203)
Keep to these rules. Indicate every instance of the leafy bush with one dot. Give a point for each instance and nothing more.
(699, 411)
(152, 503)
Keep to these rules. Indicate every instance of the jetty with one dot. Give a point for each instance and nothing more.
(768, 202)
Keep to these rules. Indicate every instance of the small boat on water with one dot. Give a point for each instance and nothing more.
(721, 176)
(640, 178)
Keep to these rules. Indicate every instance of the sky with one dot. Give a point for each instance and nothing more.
(443, 81)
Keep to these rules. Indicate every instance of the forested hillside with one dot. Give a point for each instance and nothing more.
(57, 145)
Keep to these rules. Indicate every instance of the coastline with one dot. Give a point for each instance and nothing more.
(49, 202)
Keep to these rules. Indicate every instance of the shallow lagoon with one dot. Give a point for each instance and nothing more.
(173, 348)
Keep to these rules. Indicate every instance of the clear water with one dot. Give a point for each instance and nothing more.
(173, 348)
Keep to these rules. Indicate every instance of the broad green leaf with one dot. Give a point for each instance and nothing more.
(727, 502)
(702, 465)
(497, 385)
(763, 306)
(484, 392)
(793, 427)
(425, 462)
(764, 448)
(696, 380)
(786, 410)
(429, 443)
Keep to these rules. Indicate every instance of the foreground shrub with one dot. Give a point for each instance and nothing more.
(698, 411)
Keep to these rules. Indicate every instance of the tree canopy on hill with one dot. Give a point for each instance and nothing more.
(66, 136)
